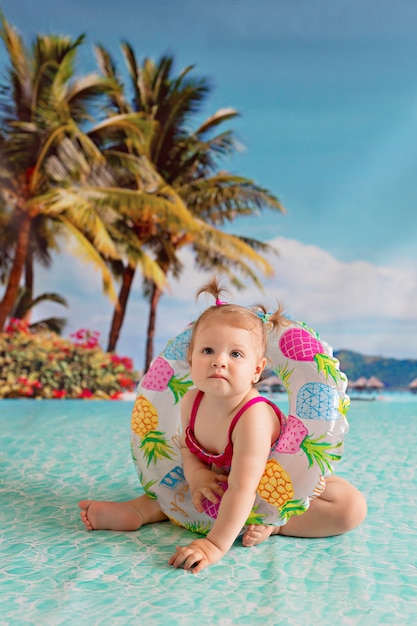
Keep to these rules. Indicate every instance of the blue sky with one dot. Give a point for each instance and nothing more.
(327, 95)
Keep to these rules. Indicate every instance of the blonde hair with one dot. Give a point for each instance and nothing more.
(255, 319)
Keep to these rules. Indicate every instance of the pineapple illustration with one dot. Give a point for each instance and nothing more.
(344, 404)
(276, 488)
(211, 509)
(147, 487)
(255, 517)
(284, 373)
(202, 528)
(295, 437)
(144, 423)
(318, 401)
(161, 376)
(299, 345)
(275, 485)
(177, 348)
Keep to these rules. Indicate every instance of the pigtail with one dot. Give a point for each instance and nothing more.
(274, 320)
(213, 288)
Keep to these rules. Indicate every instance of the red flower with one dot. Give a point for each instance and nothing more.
(116, 395)
(59, 393)
(125, 382)
(17, 326)
(86, 393)
(122, 360)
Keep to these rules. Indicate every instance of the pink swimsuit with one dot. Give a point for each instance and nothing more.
(223, 460)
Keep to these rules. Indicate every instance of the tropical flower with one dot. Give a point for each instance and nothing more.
(44, 365)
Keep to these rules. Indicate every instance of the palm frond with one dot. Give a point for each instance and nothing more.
(87, 251)
(217, 118)
(52, 324)
(229, 248)
(223, 197)
(134, 126)
(21, 73)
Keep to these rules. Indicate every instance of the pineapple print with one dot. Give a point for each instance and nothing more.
(318, 401)
(299, 345)
(144, 423)
(255, 517)
(201, 528)
(160, 376)
(147, 487)
(295, 437)
(275, 485)
(211, 509)
(276, 488)
(177, 349)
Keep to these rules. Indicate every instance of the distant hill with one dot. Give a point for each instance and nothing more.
(394, 373)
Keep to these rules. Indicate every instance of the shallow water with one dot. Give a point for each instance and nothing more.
(53, 572)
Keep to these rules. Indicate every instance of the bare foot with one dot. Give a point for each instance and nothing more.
(257, 533)
(123, 516)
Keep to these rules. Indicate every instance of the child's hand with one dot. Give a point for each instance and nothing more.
(198, 555)
(208, 486)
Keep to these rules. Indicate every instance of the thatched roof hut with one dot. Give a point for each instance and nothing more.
(374, 383)
(272, 384)
(413, 386)
(361, 383)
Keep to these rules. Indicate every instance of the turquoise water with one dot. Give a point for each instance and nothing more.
(53, 572)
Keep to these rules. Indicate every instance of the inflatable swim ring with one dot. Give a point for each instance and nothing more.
(310, 444)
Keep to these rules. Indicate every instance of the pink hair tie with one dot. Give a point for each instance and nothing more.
(219, 302)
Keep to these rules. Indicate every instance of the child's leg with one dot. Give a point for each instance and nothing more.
(129, 515)
(340, 508)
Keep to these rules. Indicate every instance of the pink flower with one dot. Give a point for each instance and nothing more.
(59, 393)
(84, 338)
(86, 393)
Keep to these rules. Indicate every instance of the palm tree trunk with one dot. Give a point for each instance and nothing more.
(120, 308)
(12, 288)
(153, 305)
(29, 284)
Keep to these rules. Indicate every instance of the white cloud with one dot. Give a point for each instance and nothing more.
(359, 306)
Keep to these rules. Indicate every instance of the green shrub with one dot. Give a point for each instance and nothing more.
(44, 365)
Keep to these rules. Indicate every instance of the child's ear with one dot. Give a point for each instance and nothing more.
(259, 369)
(261, 364)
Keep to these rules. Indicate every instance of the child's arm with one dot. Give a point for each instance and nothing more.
(251, 447)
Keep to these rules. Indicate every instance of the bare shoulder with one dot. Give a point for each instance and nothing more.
(258, 419)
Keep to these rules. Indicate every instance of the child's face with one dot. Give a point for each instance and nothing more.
(225, 360)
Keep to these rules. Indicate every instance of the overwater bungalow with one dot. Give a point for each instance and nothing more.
(271, 384)
(413, 386)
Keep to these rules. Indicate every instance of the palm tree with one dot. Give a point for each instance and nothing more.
(187, 162)
(41, 103)
(52, 169)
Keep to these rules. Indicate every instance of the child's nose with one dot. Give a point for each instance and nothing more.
(219, 360)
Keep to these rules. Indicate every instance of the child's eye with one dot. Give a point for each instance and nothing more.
(236, 354)
(207, 351)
